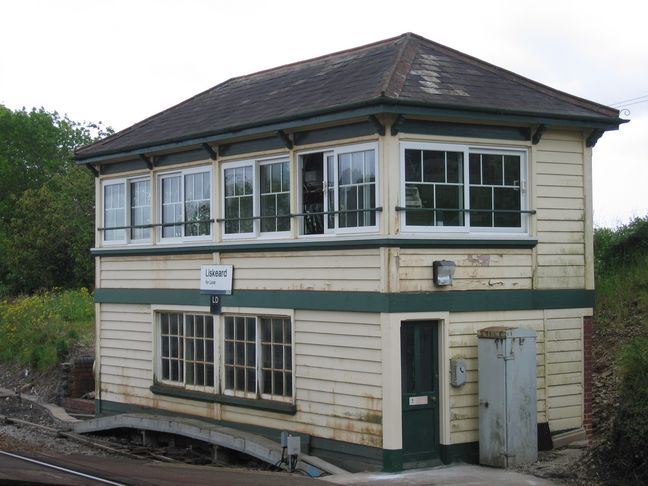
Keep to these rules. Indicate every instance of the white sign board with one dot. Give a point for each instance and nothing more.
(216, 279)
(423, 400)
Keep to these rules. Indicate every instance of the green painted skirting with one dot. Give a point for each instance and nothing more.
(318, 246)
(467, 452)
(438, 301)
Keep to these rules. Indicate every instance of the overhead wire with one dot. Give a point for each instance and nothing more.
(638, 99)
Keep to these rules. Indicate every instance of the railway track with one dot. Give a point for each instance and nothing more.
(42, 472)
(137, 452)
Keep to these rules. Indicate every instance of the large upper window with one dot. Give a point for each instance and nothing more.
(187, 349)
(127, 210)
(256, 197)
(258, 357)
(185, 203)
(339, 190)
(463, 188)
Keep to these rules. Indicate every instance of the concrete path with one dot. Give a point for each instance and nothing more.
(464, 475)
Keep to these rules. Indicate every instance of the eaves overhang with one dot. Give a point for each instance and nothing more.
(376, 106)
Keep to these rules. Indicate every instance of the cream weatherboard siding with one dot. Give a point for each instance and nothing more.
(153, 272)
(346, 270)
(559, 366)
(482, 270)
(561, 195)
(338, 373)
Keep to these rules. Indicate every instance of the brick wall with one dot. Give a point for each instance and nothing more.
(587, 378)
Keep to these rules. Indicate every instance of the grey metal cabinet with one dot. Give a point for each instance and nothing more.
(508, 434)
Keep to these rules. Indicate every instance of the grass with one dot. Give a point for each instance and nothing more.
(39, 330)
(621, 259)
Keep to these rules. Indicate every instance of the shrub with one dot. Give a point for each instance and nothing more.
(630, 435)
(38, 330)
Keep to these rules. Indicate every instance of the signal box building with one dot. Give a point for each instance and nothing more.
(343, 192)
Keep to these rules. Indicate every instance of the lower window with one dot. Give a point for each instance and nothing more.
(187, 349)
(258, 357)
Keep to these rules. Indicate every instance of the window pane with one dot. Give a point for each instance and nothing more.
(240, 328)
(209, 351)
(229, 353)
(288, 386)
(171, 207)
(512, 170)
(285, 176)
(357, 167)
(413, 165)
(250, 380)
(200, 375)
(481, 198)
(250, 354)
(288, 357)
(114, 211)
(278, 383)
(277, 358)
(209, 379)
(454, 167)
(251, 328)
(492, 169)
(209, 326)
(344, 169)
(433, 166)
(267, 382)
(507, 199)
(140, 208)
(369, 166)
(189, 349)
(475, 169)
(264, 173)
(449, 197)
(229, 378)
(239, 353)
(419, 196)
(277, 330)
(266, 356)
(165, 369)
(276, 177)
(189, 376)
(229, 327)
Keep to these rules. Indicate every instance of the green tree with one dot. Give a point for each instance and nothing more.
(46, 202)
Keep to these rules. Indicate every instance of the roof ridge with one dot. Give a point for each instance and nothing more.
(322, 57)
(567, 97)
(384, 87)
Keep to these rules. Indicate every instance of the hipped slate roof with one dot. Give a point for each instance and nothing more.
(407, 71)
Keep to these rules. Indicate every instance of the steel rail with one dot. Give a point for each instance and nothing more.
(62, 469)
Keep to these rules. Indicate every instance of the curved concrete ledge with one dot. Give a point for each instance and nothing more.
(56, 412)
(254, 445)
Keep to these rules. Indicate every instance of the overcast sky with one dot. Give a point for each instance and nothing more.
(121, 61)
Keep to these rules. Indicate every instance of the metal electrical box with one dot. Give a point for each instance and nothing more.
(508, 433)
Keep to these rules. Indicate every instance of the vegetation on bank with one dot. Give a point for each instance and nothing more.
(622, 302)
(46, 202)
(39, 330)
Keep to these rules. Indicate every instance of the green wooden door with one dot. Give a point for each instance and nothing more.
(420, 390)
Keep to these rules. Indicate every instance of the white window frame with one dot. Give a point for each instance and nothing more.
(157, 319)
(336, 152)
(257, 394)
(160, 197)
(467, 149)
(126, 182)
(256, 198)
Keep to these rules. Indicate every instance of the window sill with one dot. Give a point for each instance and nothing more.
(268, 405)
